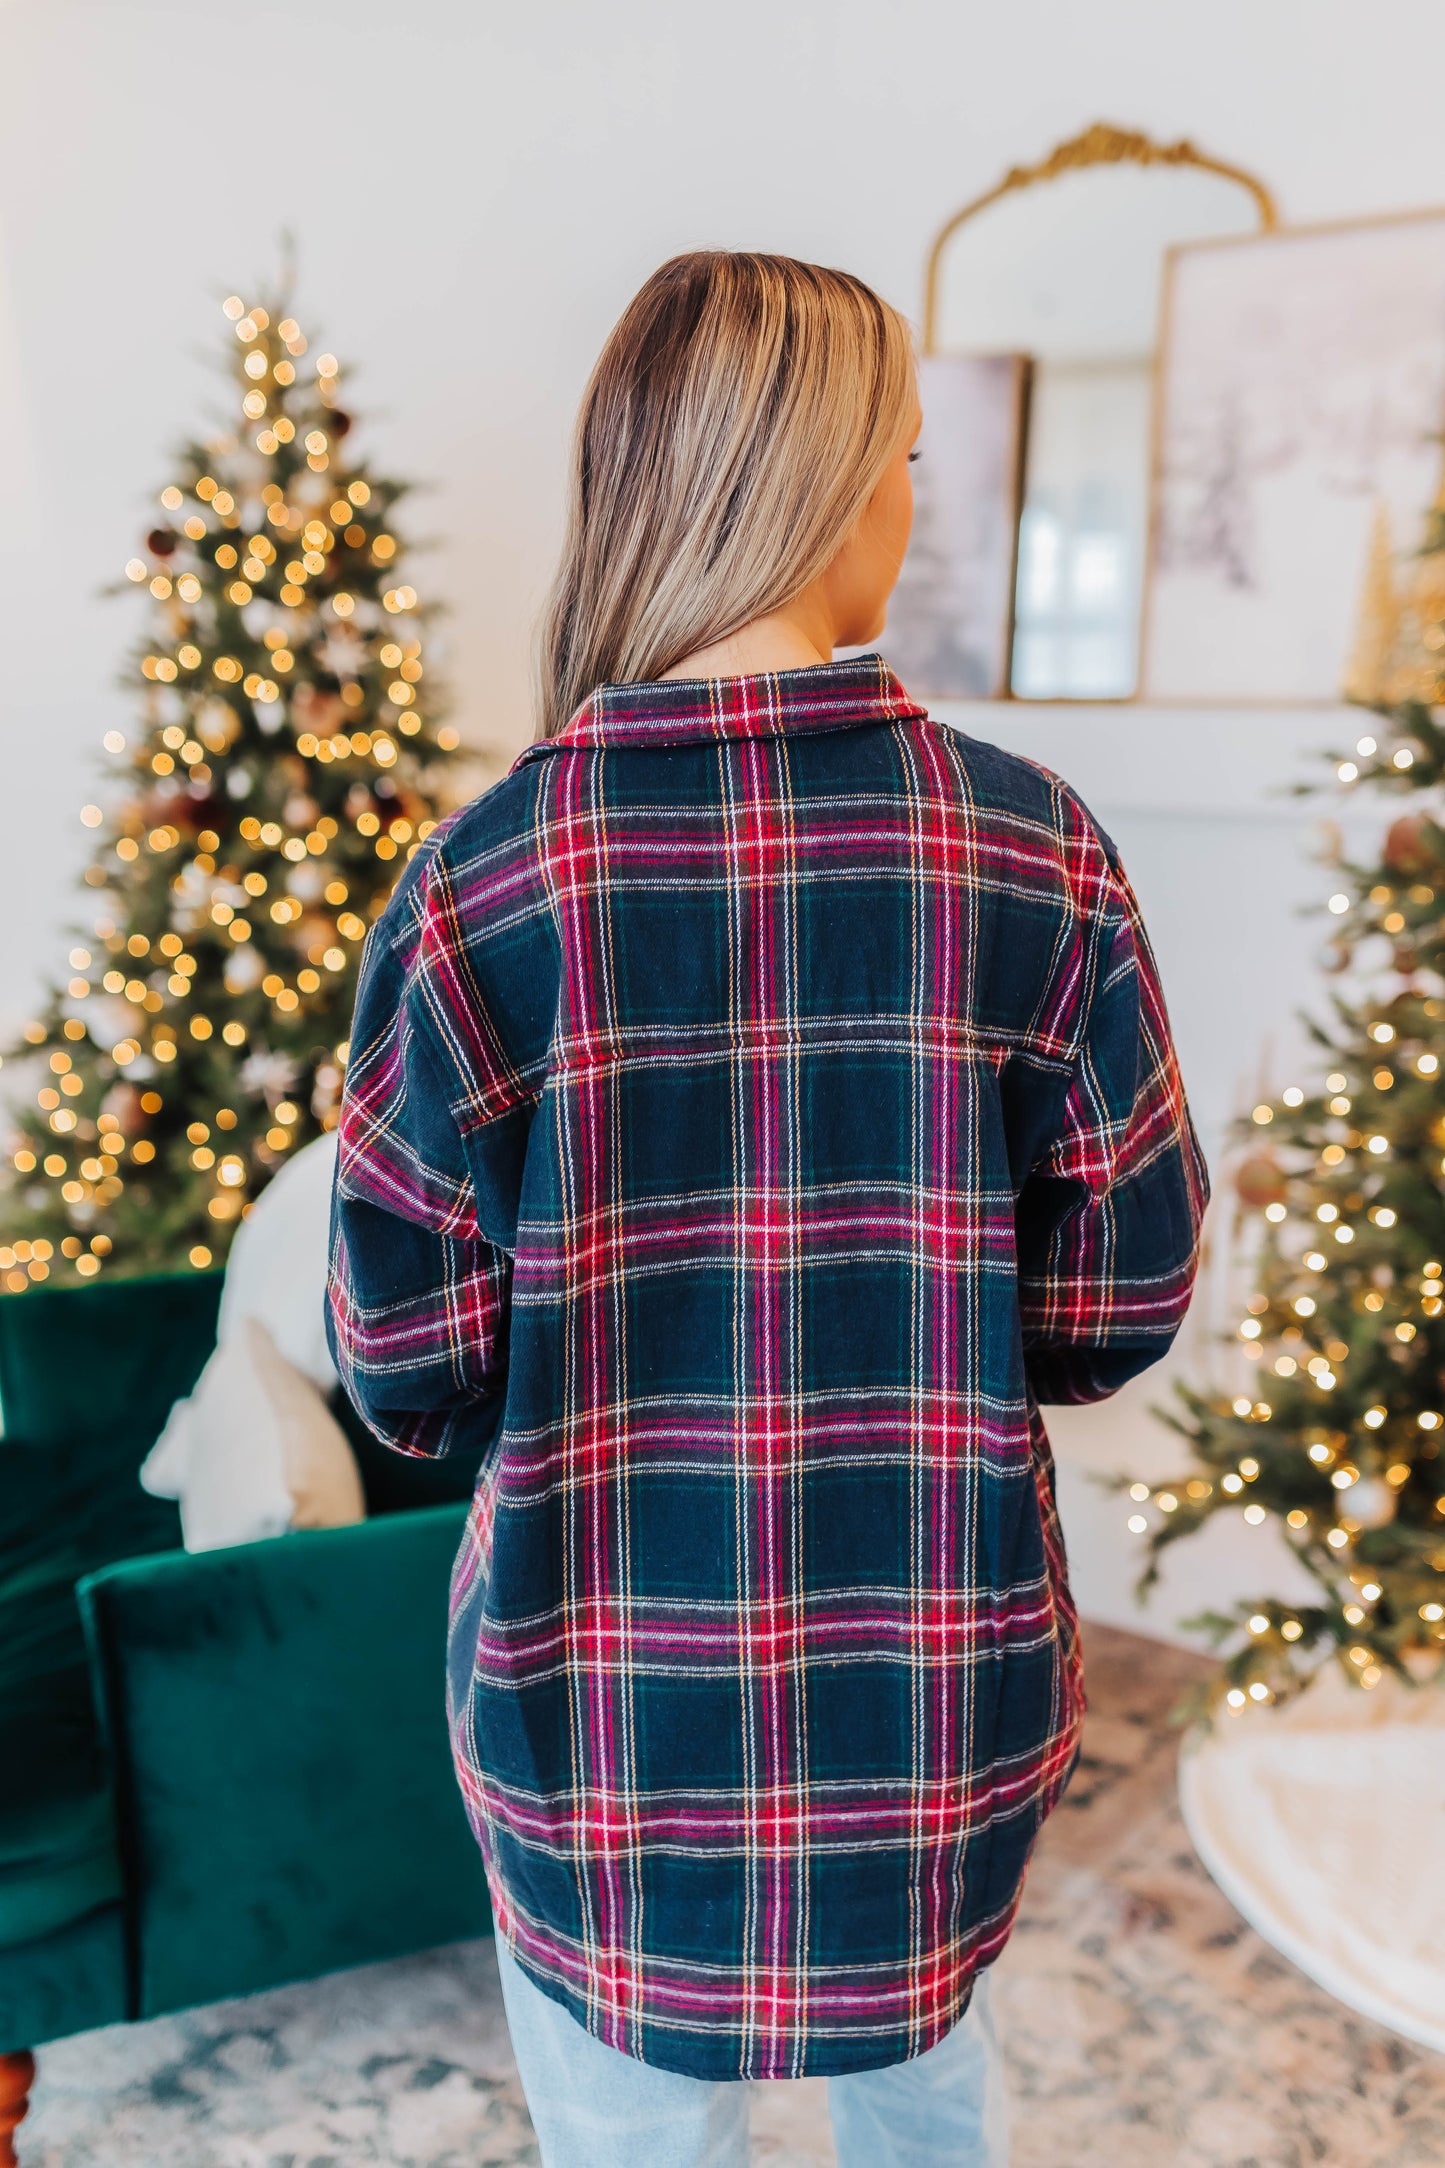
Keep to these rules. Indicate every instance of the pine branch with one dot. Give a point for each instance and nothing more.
(1336, 1433)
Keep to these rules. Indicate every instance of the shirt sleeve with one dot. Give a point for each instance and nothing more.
(418, 1294)
(1108, 1218)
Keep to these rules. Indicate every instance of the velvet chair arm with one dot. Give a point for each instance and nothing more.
(275, 1720)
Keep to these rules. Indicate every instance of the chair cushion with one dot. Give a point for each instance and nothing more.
(103, 1362)
(87, 1376)
(68, 1982)
(57, 1862)
(284, 1776)
(65, 1514)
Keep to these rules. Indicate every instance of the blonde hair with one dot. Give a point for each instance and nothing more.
(736, 424)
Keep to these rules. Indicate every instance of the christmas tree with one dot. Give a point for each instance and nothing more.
(283, 768)
(1335, 1430)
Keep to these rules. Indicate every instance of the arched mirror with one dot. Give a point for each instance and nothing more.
(1040, 328)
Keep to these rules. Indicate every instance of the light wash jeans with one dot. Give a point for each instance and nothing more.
(595, 2108)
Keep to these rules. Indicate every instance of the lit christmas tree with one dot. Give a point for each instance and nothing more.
(284, 768)
(1336, 1430)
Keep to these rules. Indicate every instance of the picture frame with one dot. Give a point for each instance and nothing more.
(950, 623)
(1299, 403)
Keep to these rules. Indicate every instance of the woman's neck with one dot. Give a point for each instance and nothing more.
(795, 637)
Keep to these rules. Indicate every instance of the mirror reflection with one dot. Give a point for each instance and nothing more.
(1066, 273)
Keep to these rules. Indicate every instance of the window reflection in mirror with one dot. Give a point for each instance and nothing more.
(1082, 532)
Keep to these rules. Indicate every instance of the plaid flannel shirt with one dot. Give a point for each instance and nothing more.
(760, 1101)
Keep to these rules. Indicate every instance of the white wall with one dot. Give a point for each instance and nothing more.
(476, 189)
(1226, 864)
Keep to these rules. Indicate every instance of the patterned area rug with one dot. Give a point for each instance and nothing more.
(1147, 2027)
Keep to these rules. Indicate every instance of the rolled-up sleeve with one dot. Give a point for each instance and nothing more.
(418, 1293)
(1108, 1221)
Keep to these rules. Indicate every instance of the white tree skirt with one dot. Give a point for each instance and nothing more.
(1324, 1823)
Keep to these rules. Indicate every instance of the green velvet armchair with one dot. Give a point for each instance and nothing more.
(218, 1773)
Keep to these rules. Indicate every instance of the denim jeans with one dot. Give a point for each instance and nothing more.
(595, 2108)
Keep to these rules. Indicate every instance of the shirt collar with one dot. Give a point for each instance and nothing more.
(827, 696)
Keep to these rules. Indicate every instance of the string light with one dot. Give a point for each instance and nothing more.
(186, 1009)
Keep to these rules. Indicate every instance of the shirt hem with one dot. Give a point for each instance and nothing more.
(812, 2064)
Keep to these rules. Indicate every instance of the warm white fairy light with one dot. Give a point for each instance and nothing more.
(218, 543)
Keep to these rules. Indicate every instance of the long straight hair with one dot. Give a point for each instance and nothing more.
(736, 424)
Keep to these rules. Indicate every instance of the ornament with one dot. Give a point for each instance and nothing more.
(109, 1018)
(1407, 849)
(1259, 1180)
(314, 935)
(269, 716)
(317, 710)
(161, 542)
(191, 891)
(339, 422)
(165, 804)
(123, 1101)
(326, 1093)
(1371, 1502)
(342, 652)
(300, 811)
(238, 783)
(218, 724)
(1330, 843)
(244, 969)
(189, 806)
(268, 1072)
(306, 881)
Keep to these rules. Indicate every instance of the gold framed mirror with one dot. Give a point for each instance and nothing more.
(1032, 588)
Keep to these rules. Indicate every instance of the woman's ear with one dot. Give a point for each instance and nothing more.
(859, 581)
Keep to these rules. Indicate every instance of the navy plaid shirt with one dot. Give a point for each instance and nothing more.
(759, 1103)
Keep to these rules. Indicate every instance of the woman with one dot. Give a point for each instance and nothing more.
(760, 1102)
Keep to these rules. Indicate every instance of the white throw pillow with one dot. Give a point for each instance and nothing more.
(276, 1272)
(277, 1267)
(265, 1453)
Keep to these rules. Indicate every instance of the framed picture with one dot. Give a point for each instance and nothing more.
(1298, 415)
(950, 622)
